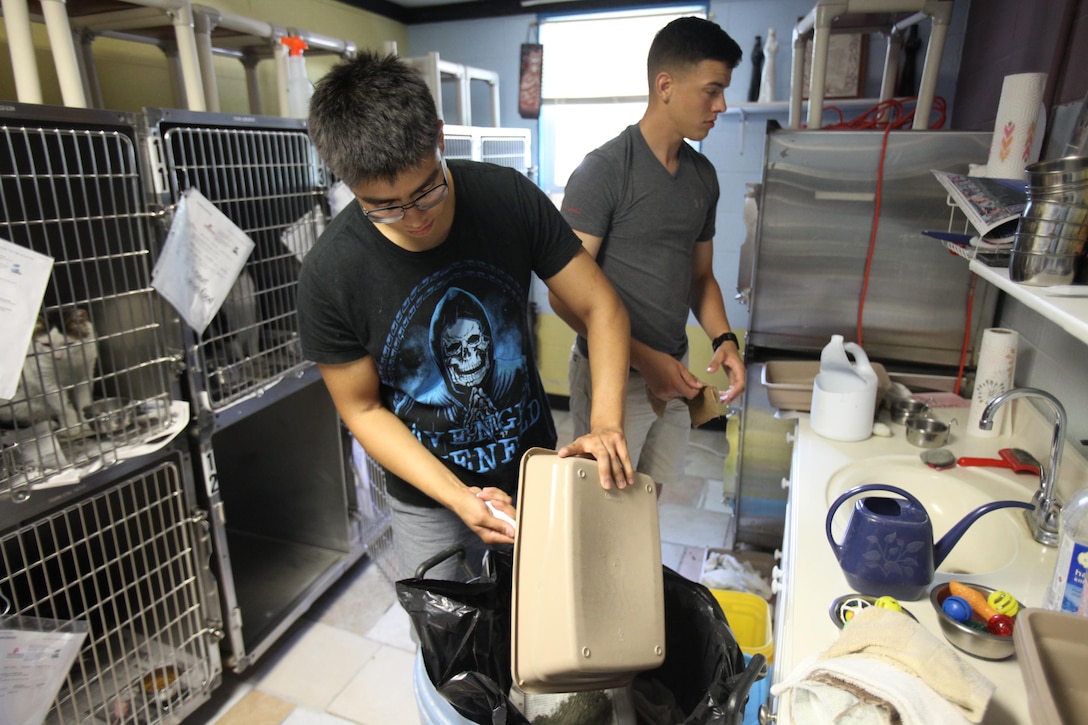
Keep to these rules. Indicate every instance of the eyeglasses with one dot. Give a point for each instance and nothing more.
(427, 200)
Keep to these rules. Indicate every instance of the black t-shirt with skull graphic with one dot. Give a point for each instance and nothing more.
(449, 327)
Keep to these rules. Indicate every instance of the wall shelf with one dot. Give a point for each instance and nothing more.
(1064, 305)
(784, 106)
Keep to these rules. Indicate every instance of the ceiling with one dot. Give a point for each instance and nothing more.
(412, 12)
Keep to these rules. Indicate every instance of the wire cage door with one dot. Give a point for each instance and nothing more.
(266, 178)
(129, 561)
(97, 377)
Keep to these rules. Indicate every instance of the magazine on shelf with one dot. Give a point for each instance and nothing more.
(993, 206)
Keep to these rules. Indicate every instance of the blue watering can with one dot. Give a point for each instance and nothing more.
(888, 549)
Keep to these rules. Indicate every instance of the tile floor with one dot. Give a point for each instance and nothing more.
(349, 658)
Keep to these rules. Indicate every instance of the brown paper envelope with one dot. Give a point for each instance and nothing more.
(703, 407)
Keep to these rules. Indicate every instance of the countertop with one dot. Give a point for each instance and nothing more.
(812, 578)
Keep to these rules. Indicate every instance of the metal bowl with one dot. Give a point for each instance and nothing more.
(1058, 172)
(1041, 269)
(972, 641)
(1047, 244)
(1073, 232)
(109, 415)
(1076, 194)
(844, 607)
(1055, 211)
(927, 432)
(905, 409)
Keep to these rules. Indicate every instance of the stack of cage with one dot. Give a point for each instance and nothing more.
(97, 509)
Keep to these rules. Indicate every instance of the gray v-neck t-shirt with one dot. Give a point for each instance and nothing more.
(650, 221)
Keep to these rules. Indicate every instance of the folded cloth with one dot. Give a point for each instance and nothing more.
(886, 668)
(703, 407)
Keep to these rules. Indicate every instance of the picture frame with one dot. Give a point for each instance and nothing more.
(846, 55)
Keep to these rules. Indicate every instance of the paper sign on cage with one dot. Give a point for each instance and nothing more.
(24, 275)
(203, 255)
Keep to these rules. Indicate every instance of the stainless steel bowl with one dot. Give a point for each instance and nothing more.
(1058, 172)
(972, 641)
(1041, 269)
(927, 432)
(1047, 244)
(1070, 194)
(1055, 211)
(1073, 232)
(905, 409)
(109, 415)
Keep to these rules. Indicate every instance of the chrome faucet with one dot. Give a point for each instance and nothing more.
(1043, 519)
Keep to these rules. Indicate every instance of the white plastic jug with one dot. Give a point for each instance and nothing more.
(843, 393)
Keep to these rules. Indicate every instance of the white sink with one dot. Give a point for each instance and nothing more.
(991, 543)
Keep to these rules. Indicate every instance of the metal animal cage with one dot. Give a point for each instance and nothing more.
(510, 147)
(372, 511)
(97, 377)
(129, 562)
(267, 179)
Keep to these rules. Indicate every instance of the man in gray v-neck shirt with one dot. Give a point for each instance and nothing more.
(644, 205)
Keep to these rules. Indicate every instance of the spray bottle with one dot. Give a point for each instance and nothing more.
(299, 88)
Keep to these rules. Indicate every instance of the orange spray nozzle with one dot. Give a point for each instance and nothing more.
(295, 45)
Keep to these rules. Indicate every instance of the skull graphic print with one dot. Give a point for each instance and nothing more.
(459, 356)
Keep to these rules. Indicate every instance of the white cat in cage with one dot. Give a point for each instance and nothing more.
(57, 379)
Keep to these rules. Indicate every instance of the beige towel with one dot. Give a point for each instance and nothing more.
(703, 407)
(885, 667)
(902, 642)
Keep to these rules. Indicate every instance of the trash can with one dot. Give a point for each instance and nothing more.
(462, 671)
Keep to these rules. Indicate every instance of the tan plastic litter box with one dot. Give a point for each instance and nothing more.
(588, 599)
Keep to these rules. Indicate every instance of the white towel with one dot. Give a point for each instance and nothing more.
(886, 668)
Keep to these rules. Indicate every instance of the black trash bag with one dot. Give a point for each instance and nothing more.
(703, 680)
(464, 635)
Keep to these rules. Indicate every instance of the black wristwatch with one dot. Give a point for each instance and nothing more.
(724, 337)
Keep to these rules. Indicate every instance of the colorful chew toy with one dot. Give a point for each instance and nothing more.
(975, 598)
(957, 608)
(887, 602)
(1001, 625)
(1004, 603)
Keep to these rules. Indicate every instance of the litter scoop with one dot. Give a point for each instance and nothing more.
(1017, 459)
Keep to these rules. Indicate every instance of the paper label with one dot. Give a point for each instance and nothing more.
(300, 236)
(1068, 584)
(201, 260)
(24, 275)
(33, 665)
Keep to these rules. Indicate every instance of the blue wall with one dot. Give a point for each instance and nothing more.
(735, 146)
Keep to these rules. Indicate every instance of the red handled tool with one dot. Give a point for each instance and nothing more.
(1017, 459)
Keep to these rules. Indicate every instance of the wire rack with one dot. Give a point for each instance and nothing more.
(126, 561)
(97, 375)
(269, 182)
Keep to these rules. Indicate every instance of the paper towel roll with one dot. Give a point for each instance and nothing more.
(994, 375)
(1018, 130)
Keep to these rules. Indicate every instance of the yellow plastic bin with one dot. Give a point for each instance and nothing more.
(750, 619)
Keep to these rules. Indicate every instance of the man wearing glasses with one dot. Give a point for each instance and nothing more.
(414, 305)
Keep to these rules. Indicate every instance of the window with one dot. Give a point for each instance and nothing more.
(593, 83)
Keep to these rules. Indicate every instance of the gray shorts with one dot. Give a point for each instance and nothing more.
(420, 532)
(657, 445)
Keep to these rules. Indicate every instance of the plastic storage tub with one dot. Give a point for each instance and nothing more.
(789, 383)
(750, 619)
